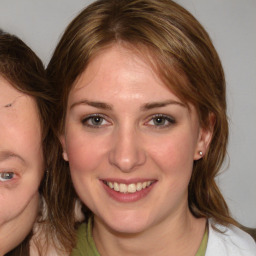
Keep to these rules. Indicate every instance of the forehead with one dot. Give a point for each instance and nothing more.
(16, 104)
(164, 70)
(118, 68)
(7, 91)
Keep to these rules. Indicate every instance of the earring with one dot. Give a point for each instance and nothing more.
(200, 153)
(65, 156)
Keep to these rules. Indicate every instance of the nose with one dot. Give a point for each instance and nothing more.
(127, 152)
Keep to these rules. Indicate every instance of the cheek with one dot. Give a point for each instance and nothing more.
(86, 157)
(174, 154)
(84, 154)
(15, 197)
(14, 201)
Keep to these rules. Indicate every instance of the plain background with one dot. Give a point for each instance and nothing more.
(232, 27)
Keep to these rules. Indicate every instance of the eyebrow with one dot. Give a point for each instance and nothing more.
(161, 104)
(4, 155)
(95, 104)
(147, 106)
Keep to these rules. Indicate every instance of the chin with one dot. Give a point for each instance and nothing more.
(127, 223)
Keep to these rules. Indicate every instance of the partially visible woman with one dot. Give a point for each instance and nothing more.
(25, 142)
(142, 121)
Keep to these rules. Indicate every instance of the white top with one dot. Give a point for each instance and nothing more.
(232, 242)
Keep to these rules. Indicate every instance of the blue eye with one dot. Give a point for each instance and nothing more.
(161, 121)
(95, 121)
(5, 176)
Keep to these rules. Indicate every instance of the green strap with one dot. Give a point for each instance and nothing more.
(202, 249)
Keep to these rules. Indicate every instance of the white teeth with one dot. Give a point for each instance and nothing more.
(130, 188)
(139, 186)
(110, 184)
(123, 188)
(116, 186)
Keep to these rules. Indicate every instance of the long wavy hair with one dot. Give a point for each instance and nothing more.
(21, 67)
(182, 54)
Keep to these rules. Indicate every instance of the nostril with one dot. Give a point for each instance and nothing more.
(127, 161)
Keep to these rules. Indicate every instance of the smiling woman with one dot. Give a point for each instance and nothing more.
(147, 141)
(143, 127)
(25, 113)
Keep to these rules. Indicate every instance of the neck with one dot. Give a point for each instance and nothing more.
(177, 235)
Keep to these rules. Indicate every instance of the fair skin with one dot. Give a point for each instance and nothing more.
(21, 165)
(125, 130)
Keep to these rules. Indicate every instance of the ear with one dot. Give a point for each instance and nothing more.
(204, 138)
(63, 143)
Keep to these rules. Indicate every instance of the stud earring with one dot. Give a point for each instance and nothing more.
(200, 153)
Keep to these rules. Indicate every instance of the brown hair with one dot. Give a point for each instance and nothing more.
(20, 66)
(185, 59)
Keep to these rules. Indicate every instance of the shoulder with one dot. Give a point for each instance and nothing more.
(229, 241)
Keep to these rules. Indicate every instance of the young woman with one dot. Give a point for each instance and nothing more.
(143, 127)
(25, 142)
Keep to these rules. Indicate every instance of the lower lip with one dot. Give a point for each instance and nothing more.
(128, 197)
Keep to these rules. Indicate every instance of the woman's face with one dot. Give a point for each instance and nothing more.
(130, 143)
(21, 164)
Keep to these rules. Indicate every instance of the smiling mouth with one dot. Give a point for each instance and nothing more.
(128, 188)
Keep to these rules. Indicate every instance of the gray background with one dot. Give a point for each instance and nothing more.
(232, 27)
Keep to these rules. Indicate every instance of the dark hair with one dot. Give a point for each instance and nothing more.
(183, 55)
(20, 66)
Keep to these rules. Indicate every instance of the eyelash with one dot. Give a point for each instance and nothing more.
(6, 173)
(85, 121)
